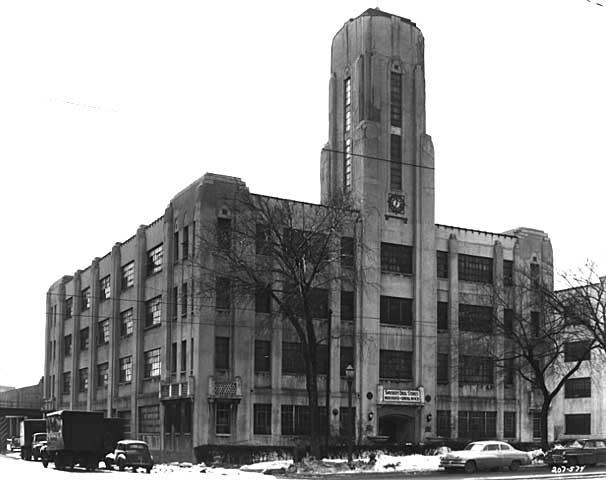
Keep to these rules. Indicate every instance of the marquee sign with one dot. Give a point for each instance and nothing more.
(400, 397)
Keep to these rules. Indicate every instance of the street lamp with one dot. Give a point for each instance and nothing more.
(349, 375)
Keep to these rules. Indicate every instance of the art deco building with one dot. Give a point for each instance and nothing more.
(128, 336)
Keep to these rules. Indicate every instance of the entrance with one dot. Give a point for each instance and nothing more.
(398, 428)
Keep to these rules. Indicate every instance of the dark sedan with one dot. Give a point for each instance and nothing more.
(577, 452)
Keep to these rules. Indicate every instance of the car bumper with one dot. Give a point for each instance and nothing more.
(458, 463)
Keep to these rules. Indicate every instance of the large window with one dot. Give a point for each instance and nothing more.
(475, 318)
(475, 369)
(262, 356)
(184, 300)
(442, 316)
(103, 332)
(185, 244)
(293, 361)
(396, 258)
(395, 99)
(154, 260)
(83, 380)
(102, 372)
(127, 275)
(125, 373)
(507, 273)
(347, 147)
(151, 363)
(224, 234)
(105, 287)
(476, 425)
(443, 427)
(443, 374)
(223, 418)
(346, 357)
(578, 424)
(347, 306)
(475, 269)
(509, 424)
(67, 345)
(346, 421)
(67, 383)
(262, 239)
(396, 311)
(535, 324)
(536, 424)
(395, 162)
(575, 351)
(262, 299)
(508, 321)
(149, 419)
(262, 418)
(296, 420)
(126, 323)
(221, 353)
(84, 336)
(69, 307)
(318, 298)
(223, 293)
(395, 364)
(347, 252)
(85, 299)
(577, 387)
(442, 264)
(153, 311)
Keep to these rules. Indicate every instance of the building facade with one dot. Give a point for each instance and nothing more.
(129, 335)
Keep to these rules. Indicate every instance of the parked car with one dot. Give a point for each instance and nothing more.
(577, 452)
(485, 455)
(38, 444)
(13, 444)
(130, 453)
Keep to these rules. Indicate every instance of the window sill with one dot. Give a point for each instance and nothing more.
(152, 379)
(151, 327)
(223, 435)
(399, 325)
(124, 337)
(399, 274)
(152, 274)
(123, 384)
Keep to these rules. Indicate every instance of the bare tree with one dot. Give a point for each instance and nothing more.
(288, 256)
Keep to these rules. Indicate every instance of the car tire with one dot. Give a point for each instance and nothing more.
(470, 466)
(121, 464)
(148, 469)
(515, 466)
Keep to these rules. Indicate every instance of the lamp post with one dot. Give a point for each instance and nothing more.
(349, 375)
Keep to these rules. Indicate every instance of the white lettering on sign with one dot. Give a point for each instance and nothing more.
(402, 396)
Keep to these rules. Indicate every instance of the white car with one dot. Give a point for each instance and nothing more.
(485, 455)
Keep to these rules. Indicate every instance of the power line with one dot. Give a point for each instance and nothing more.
(380, 159)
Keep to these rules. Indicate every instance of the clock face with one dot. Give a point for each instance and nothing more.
(396, 203)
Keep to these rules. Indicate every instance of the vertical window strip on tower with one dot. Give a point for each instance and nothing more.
(347, 147)
(395, 164)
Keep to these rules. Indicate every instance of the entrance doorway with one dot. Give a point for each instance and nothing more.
(398, 428)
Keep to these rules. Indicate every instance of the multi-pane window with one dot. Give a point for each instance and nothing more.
(83, 380)
(175, 303)
(477, 424)
(153, 311)
(395, 162)
(575, 351)
(127, 275)
(149, 419)
(577, 387)
(347, 134)
(223, 293)
(69, 307)
(318, 298)
(536, 424)
(346, 421)
(105, 287)
(126, 322)
(184, 299)
(103, 332)
(443, 426)
(221, 353)
(67, 345)
(173, 358)
(85, 299)
(293, 362)
(347, 306)
(442, 365)
(395, 98)
(176, 247)
(396, 311)
(535, 277)
(84, 336)
(295, 420)
(508, 321)
(102, 375)
(535, 323)
(262, 356)
(262, 239)
(183, 356)
(126, 417)
(262, 419)
(509, 372)
(151, 363)
(442, 315)
(347, 252)
(476, 369)
(185, 244)
(475, 318)
(509, 424)
(346, 357)
(67, 383)
(262, 299)
(347, 104)
(154, 260)
(475, 269)
(396, 258)
(577, 424)
(442, 264)
(507, 273)
(223, 418)
(125, 372)
(224, 233)
(395, 364)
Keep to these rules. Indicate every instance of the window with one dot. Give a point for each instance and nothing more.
(69, 307)
(173, 357)
(126, 417)
(84, 336)
(575, 351)
(262, 299)
(535, 275)
(347, 306)
(292, 358)
(346, 421)
(509, 424)
(67, 383)
(578, 424)
(175, 303)
(318, 297)
(85, 299)
(508, 321)
(536, 424)
(442, 364)
(295, 420)
(396, 258)
(103, 332)
(262, 356)
(224, 234)
(154, 260)
(395, 99)
(396, 311)
(475, 318)
(347, 252)
(127, 276)
(475, 425)
(102, 372)
(223, 418)
(184, 300)
(475, 269)
(183, 356)
(442, 264)
(509, 372)
(262, 239)
(395, 364)
(262, 419)
(153, 311)
(149, 419)
(347, 134)
(105, 288)
(67, 345)
(83, 380)
(125, 374)
(443, 428)
(442, 316)
(535, 323)
(475, 369)
(151, 363)
(346, 357)
(126, 323)
(223, 293)
(185, 245)
(176, 247)
(577, 388)
(221, 353)
(507, 273)
(395, 163)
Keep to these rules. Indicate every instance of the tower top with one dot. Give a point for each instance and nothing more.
(376, 12)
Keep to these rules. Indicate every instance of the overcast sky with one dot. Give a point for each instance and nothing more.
(108, 109)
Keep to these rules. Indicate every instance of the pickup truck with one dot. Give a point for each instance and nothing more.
(577, 452)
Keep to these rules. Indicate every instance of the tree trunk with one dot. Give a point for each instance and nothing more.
(544, 424)
(312, 398)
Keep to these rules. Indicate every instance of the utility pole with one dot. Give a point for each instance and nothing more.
(327, 436)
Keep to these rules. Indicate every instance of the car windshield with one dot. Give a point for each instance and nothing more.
(40, 437)
(476, 447)
(136, 448)
(573, 444)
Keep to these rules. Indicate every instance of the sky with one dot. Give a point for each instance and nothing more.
(109, 108)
